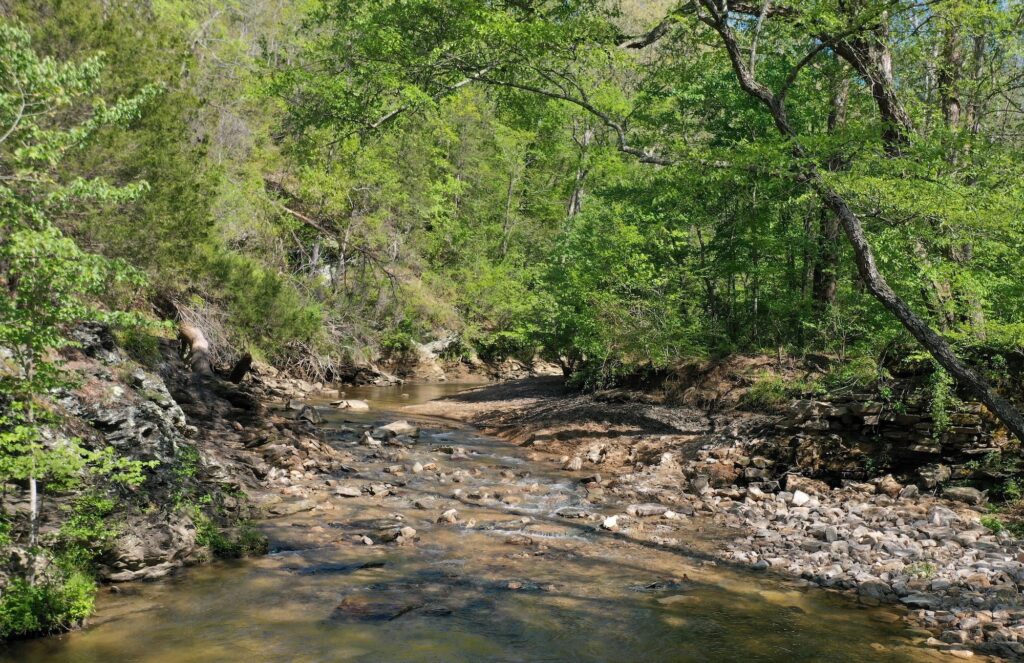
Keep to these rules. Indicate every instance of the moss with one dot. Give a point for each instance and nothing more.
(140, 345)
(860, 373)
(770, 391)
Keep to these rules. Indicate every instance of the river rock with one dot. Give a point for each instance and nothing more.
(611, 523)
(351, 404)
(964, 494)
(800, 498)
(396, 428)
(310, 414)
(574, 464)
(795, 482)
(451, 516)
(348, 491)
(373, 608)
(646, 510)
(889, 486)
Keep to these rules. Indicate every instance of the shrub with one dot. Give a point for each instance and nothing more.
(942, 399)
(923, 570)
(55, 605)
(398, 342)
(992, 523)
(499, 346)
(140, 345)
(768, 391)
(85, 535)
(245, 542)
(860, 373)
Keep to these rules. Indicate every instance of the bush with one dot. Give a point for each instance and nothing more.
(398, 342)
(86, 535)
(860, 373)
(245, 542)
(499, 346)
(53, 606)
(140, 345)
(768, 392)
(992, 523)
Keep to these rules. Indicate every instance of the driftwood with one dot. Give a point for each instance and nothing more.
(195, 349)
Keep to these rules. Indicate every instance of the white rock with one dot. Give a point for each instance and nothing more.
(351, 404)
(800, 498)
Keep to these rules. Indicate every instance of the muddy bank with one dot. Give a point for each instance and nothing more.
(885, 541)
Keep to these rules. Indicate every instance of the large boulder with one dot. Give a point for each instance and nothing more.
(151, 547)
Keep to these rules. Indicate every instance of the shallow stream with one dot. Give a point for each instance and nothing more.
(509, 582)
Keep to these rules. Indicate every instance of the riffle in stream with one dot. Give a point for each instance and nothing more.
(506, 582)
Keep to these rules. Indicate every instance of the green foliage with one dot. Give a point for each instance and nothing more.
(140, 343)
(858, 374)
(922, 570)
(243, 542)
(768, 392)
(399, 341)
(942, 399)
(86, 533)
(992, 523)
(54, 605)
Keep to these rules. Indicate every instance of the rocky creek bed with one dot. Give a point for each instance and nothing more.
(413, 539)
(885, 543)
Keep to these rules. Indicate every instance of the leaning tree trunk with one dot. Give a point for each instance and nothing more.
(918, 328)
(863, 255)
(198, 349)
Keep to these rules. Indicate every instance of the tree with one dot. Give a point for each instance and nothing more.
(775, 127)
(48, 281)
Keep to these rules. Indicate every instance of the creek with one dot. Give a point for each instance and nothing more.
(511, 580)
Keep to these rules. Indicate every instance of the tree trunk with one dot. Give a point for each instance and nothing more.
(918, 328)
(825, 281)
(33, 507)
(198, 349)
(866, 267)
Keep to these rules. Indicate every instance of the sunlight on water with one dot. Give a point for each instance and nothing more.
(548, 589)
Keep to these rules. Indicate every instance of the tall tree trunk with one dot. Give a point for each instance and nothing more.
(583, 145)
(825, 281)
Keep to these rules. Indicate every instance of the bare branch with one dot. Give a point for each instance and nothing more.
(757, 33)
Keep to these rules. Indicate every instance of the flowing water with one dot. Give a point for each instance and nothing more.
(518, 583)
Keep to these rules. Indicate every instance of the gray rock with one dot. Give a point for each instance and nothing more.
(964, 494)
(396, 428)
(348, 491)
(646, 510)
